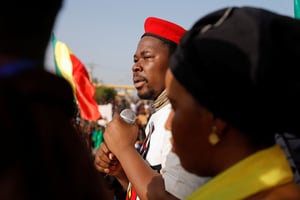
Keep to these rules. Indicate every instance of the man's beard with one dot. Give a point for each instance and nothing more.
(149, 95)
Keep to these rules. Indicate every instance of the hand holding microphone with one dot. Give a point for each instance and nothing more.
(121, 132)
(117, 136)
(129, 117)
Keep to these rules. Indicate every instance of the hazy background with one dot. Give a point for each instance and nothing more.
(103, 34)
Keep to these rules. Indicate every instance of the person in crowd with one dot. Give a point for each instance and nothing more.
(142, 117)
(233, 84)
(117, 156)
(42, 153)
(97, 136)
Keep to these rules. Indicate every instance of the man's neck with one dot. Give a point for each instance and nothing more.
(160, 101)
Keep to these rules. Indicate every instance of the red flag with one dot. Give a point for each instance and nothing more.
(72, 69)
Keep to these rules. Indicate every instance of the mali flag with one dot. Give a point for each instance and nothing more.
(68, 66)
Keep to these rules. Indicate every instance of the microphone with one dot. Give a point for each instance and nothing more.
(128, 116)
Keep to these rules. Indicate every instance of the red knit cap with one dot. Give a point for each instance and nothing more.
(164, 29)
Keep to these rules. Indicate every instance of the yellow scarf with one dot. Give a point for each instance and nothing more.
(260, 171)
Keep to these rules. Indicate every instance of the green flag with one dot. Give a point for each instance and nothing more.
(297, 9)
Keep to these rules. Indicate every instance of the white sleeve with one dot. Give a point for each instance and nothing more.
(178, 181)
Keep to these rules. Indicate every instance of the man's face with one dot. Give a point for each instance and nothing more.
(151, 61)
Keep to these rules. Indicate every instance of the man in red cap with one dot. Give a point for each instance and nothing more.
(161, 176)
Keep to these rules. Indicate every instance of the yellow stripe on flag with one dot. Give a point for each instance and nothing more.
(64, 63)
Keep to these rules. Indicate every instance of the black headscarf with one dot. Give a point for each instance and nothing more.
(243, 65)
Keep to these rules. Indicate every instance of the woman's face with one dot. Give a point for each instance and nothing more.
(190, 125)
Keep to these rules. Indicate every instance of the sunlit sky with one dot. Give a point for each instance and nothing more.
(103, 34)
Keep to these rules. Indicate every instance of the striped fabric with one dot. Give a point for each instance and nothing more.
(291, 146)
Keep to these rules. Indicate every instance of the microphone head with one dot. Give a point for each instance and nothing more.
(128, 116)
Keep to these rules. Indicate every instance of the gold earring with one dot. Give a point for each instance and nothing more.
(213, 138)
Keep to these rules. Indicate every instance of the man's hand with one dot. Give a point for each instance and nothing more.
(106, 162)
